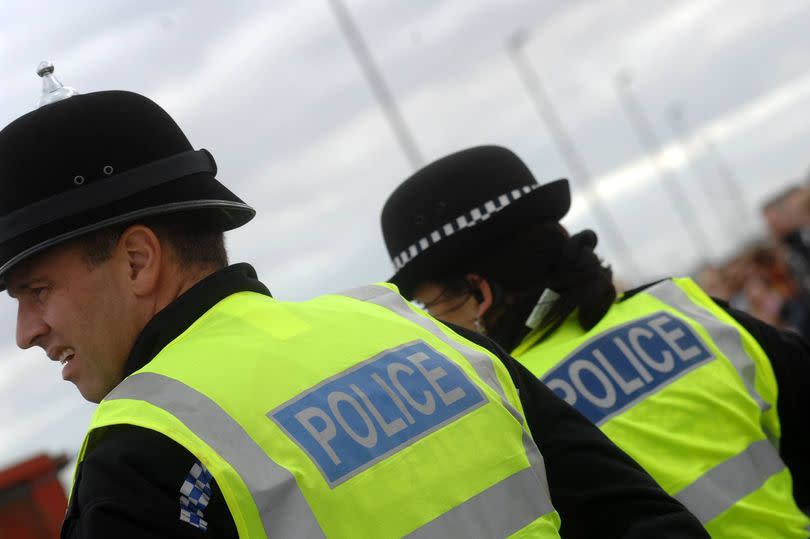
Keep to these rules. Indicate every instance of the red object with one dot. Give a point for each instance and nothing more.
(32, 501)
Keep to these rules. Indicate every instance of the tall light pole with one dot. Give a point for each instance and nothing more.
(724, 174)
(649, 140)
(375, 80)
(567, 149)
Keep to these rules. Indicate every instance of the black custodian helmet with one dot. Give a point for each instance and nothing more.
(456, 207)
(99, 159)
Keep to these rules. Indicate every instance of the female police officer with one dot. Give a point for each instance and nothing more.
(224, 412)
(699, 394)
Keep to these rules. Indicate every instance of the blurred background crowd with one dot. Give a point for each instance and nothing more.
(770, 278)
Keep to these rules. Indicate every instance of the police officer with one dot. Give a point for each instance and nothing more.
(223, 412)
(704, 397)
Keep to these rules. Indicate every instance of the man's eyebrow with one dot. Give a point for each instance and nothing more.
(14, 290)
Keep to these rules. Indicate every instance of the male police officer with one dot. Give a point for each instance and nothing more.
(223, 412)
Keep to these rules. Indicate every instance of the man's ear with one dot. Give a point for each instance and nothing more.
(481, 292)
(144, 255)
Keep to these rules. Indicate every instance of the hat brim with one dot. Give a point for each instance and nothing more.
(549, 202)
(223, 208)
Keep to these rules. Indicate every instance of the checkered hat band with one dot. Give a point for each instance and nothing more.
(466, 220)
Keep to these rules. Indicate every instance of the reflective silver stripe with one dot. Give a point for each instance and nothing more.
(282, 507)
(727, 483)
(725, 336)
(385, 297)
(499, 511)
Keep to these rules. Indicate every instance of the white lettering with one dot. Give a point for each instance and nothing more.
(394, 397)
(664, 366)
(610, 394)
(388, 428)
(569, 395)
(321, 436)
(627, 387)
(334, 399)
(672, 336)
(631, 357)
(432, 375)
(427, 407)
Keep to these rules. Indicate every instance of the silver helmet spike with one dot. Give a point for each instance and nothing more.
(52, 89)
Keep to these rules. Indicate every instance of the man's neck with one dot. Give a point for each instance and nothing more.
(179, 284)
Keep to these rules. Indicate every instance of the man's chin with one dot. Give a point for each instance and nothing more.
(89, 394)
(94, 393)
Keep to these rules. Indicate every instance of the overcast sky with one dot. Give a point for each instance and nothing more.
(273, 90)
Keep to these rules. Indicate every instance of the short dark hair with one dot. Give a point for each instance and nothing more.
(194, 240)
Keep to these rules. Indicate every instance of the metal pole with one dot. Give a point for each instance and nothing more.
(649, 140)
(675, 117)
(730, 181)
(567, 149)
(726, 176)
(375, 80)
(678, 124)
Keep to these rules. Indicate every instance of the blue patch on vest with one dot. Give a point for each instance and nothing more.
(621, 366)
(362, 415)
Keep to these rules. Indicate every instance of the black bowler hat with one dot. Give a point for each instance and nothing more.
(95, 160)
(448, 211)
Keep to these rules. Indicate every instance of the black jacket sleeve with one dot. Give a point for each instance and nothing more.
(789, 354)
(129, 486)
(597, 489)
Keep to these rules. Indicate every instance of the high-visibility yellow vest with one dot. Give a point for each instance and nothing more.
(350, 415)
(684, 389)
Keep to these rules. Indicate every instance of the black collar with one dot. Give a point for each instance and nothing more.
(173, 320)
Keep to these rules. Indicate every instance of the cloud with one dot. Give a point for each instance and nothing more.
(753, 117)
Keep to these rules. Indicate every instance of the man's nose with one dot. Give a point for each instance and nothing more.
(30, 327)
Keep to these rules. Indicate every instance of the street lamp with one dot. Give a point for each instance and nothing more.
(375, 80)
(641, 125)
(568, 151)
(724, 175)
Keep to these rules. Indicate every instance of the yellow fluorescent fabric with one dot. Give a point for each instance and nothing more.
(344, 418)
(673, 380)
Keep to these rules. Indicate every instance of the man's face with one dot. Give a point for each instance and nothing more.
(80, 316)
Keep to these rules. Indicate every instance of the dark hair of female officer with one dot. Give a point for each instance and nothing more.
(503, 263)
(519, 270)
